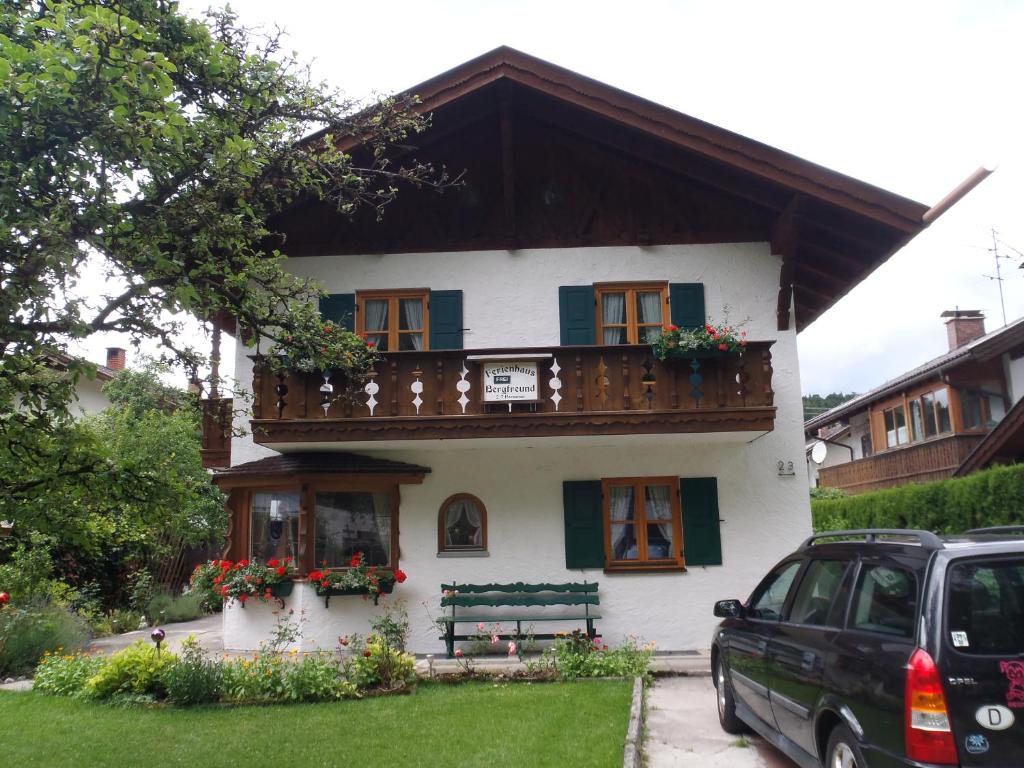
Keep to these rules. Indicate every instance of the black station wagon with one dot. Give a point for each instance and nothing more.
(882, 648)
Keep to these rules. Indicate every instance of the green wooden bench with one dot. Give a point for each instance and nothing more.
(518, 595)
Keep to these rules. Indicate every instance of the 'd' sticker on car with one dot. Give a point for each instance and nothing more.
(995, 717)
(960, 639)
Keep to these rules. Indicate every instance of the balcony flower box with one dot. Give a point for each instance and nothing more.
(698, 343)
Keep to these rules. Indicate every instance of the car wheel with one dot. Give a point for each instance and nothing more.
(842, 750)
(726, 702)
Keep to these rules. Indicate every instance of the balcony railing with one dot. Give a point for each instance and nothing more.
(587, 390)
(920, 463)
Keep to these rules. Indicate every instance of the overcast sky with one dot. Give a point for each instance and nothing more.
(909, 96)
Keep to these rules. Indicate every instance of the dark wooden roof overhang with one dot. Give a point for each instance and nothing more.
(829, 230)
(306, 464)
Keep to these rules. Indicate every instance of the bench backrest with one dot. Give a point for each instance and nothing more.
(519, 594)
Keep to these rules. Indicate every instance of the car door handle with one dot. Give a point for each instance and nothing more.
(809, 658)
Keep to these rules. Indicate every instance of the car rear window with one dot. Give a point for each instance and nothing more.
(985, 606)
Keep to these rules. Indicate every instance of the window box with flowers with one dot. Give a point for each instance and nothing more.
(244, 580)
(706, 341)
(358, 579)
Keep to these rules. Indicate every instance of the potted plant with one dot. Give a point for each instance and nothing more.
(705, 341)
(358, 579)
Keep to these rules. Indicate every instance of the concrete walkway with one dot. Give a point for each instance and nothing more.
(683, 731)
(207, 631)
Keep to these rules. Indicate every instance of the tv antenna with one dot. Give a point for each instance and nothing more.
(998, 277)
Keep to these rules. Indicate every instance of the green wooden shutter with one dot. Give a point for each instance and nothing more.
(339, 308)
(584, 524)
(576, 314)
(702, 539)
(686, 301)
(446, 319)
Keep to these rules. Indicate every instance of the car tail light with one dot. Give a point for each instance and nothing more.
(928, 733)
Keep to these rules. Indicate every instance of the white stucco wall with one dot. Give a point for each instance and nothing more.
(90, 397)
(511, 300)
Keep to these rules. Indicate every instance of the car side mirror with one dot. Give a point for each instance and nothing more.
(729, 609)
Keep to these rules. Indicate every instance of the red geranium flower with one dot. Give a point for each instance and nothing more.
(273, 562)
(400, 576)
(315, 575)
(282, 570)
(356, 560)
(224, 590)
(371, 344)
(723, 347)
(367, 654)
(242, 598)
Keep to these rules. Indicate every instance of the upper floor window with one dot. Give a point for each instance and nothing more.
(631, 313)
(929, 414)
(895, 426)
(642, 522)
(982, 406)
(394, 320)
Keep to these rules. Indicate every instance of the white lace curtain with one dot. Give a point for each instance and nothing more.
(624, 545)
(463, 509)
(613, 312)
(649, 308)
(412, 311)
(376, 320)
(659, 511)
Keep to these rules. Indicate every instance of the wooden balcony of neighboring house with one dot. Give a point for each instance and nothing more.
(935, 459)
(216, 432)
(583, 390)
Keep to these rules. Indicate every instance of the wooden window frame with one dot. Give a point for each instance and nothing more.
(896, 429)
(643, 563)
(442, 546)
(393, 332)
(307, 489)
(631, 325)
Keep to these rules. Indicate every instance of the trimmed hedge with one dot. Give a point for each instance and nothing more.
(990, 497)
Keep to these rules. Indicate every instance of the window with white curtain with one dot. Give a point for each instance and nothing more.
(631, 313)
(394, 320)
(462, 524)
(643, 522)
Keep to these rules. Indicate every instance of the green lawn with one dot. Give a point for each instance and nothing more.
(556, 724)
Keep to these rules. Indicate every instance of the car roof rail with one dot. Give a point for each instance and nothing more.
(926, 539)
(998, 529)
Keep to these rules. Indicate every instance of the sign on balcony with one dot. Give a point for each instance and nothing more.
(511, 381)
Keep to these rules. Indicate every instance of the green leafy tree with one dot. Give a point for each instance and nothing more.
(151, 149)
(815, 405)
(151, 494)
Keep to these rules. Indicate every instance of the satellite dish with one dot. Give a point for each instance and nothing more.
(819, 452)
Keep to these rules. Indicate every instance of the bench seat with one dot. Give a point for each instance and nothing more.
(517, 595)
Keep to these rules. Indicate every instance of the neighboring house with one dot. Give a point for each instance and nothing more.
(89, 395)
(923, 425)
(588, 220)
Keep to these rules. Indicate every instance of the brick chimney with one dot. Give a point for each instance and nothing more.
(963, 326)
(115, 358)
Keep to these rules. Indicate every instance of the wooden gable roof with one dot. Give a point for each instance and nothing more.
(554, 159)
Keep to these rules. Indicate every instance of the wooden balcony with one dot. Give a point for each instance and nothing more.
(587, 390)
(936, 459)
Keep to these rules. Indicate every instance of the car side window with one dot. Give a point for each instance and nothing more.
(885, 601)
(769, 598)
(816, 593)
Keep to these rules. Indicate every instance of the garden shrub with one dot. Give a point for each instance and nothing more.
(28, 632)
(194, 678)
(378, 665)
(990, 497)
(575, 656)
(258, 680)
(138, 669)
(116, 622)
(66, 674)
(165, 608)
(316, 677)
